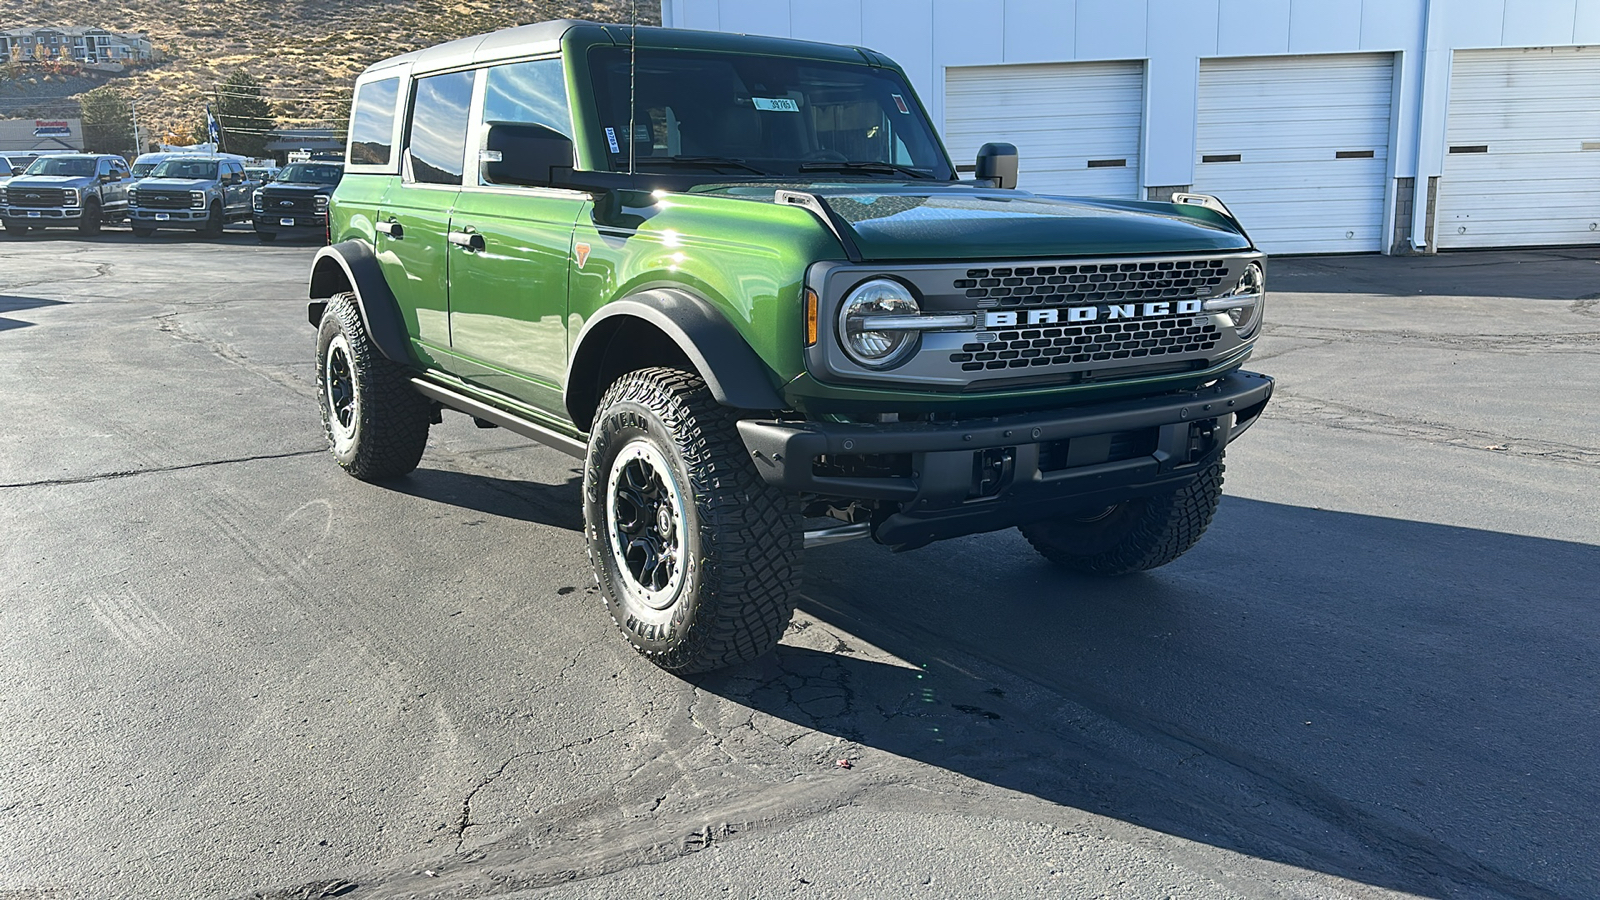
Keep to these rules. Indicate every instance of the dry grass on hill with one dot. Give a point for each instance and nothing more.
(304, 52)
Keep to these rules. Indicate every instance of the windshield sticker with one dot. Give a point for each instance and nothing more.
(775, 104)
(900, 104)
(611, 138)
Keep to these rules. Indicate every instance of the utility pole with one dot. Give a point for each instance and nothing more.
(133, 111)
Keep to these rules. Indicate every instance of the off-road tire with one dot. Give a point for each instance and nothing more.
(18, 230)
(89, 220)
(1134, 535)
(742, 547)
(216, 222)
(140, 231)
(388, 420)
(266, 237)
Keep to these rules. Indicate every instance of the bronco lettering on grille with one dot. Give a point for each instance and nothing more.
(1013, 318)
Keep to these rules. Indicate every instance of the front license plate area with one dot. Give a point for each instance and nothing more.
(163, 217)
(285, 221)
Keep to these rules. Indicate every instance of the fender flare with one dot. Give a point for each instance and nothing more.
(352, 265)
(734, 373)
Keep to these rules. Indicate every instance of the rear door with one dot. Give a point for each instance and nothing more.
(414, 216)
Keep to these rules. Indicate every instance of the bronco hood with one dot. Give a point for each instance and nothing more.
(916, 222)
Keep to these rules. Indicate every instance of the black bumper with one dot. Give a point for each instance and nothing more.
(304, 225)
(976, 475)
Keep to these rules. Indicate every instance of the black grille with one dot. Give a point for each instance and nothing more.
(273, 202)
(1092, 282)
(40, 197)
(1082, 344)
(153, 199)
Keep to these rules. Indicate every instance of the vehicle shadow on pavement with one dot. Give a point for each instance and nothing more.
(1566, 273)
(556, 505)
(1397, 703)
(10, 304)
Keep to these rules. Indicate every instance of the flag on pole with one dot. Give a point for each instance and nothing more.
(213, 131)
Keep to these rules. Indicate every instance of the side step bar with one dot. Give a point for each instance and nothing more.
(509, 421)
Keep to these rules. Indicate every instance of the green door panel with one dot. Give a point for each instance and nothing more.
(416, 261)
(508, 301)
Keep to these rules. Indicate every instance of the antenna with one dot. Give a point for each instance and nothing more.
(633, 75)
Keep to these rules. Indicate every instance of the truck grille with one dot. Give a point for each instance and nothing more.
(156, 199)
(38, 197)
(1083, 344)
(272, 202)
(1092, 282)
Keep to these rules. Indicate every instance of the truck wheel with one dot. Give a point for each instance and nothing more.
(376, 424)
(89, 219)
(216, 221)
(1133, 535)
(18, 230)
(266, 237)
(697, 558)
(143, 232)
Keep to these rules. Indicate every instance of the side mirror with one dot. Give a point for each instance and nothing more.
(525, 154)
(16, 170)
(998, 163)
(107, 178)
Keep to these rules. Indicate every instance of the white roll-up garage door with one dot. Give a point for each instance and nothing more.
(1522, 162)
(1076, 125)
(1298, 148)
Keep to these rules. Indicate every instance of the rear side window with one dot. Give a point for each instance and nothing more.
(437, 138)
(372, 122)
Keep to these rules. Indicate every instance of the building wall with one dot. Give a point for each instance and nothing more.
(1172, 36)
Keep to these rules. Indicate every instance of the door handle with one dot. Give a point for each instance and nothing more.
(471, 241)
(391, 228)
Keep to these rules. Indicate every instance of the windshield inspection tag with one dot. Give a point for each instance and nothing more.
(775, 104)
(611, 138)
(900, 104)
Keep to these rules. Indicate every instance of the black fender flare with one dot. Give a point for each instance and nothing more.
(734, 373)
(353, 266)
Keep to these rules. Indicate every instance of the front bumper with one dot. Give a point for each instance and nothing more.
(974, 475)
(40, 218)
(158, 217)
(299, 224)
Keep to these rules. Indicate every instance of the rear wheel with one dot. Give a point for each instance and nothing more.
(89, 219)
(376, 424)
(1133, 535)
(698, 559)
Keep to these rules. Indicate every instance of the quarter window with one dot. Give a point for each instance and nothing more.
(437, 139)
(372, 122)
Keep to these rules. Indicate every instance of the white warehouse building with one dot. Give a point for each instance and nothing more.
(1328, 126)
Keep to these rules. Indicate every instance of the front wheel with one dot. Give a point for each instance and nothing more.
(375, 422)
(1133, 535)
(140, 231)
(215, 222)
(89, 219)
(266, 237)
(18, 230)
(697, 558)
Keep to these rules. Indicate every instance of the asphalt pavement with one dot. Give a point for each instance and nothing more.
(228, 670)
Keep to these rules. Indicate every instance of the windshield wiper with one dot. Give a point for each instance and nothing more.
(887, 168)
(724, 161)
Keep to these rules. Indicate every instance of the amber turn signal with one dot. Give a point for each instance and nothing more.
(811, 318)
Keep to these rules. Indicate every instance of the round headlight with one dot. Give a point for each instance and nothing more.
(1246, 319)
(877, 349)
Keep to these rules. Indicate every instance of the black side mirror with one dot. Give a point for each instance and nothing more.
(998, 163)
(107, 178)
(524, 153)
(16, 170)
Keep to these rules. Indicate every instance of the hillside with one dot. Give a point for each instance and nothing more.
(305, 52)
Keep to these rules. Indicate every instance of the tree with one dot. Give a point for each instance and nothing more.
(243, 114)
(107, 122)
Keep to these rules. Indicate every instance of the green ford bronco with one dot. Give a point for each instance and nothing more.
(742, 280)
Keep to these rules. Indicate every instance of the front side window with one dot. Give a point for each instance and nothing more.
(311, 173)
(762, 115)
(527, 93)
(437, 138)
(372, 122)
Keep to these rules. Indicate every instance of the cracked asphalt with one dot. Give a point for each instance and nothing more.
(227, 670)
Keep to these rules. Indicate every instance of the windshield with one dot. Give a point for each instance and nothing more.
(311, 173)
(56, 165)
(186, 168)
(140, 170)
(763, 115)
